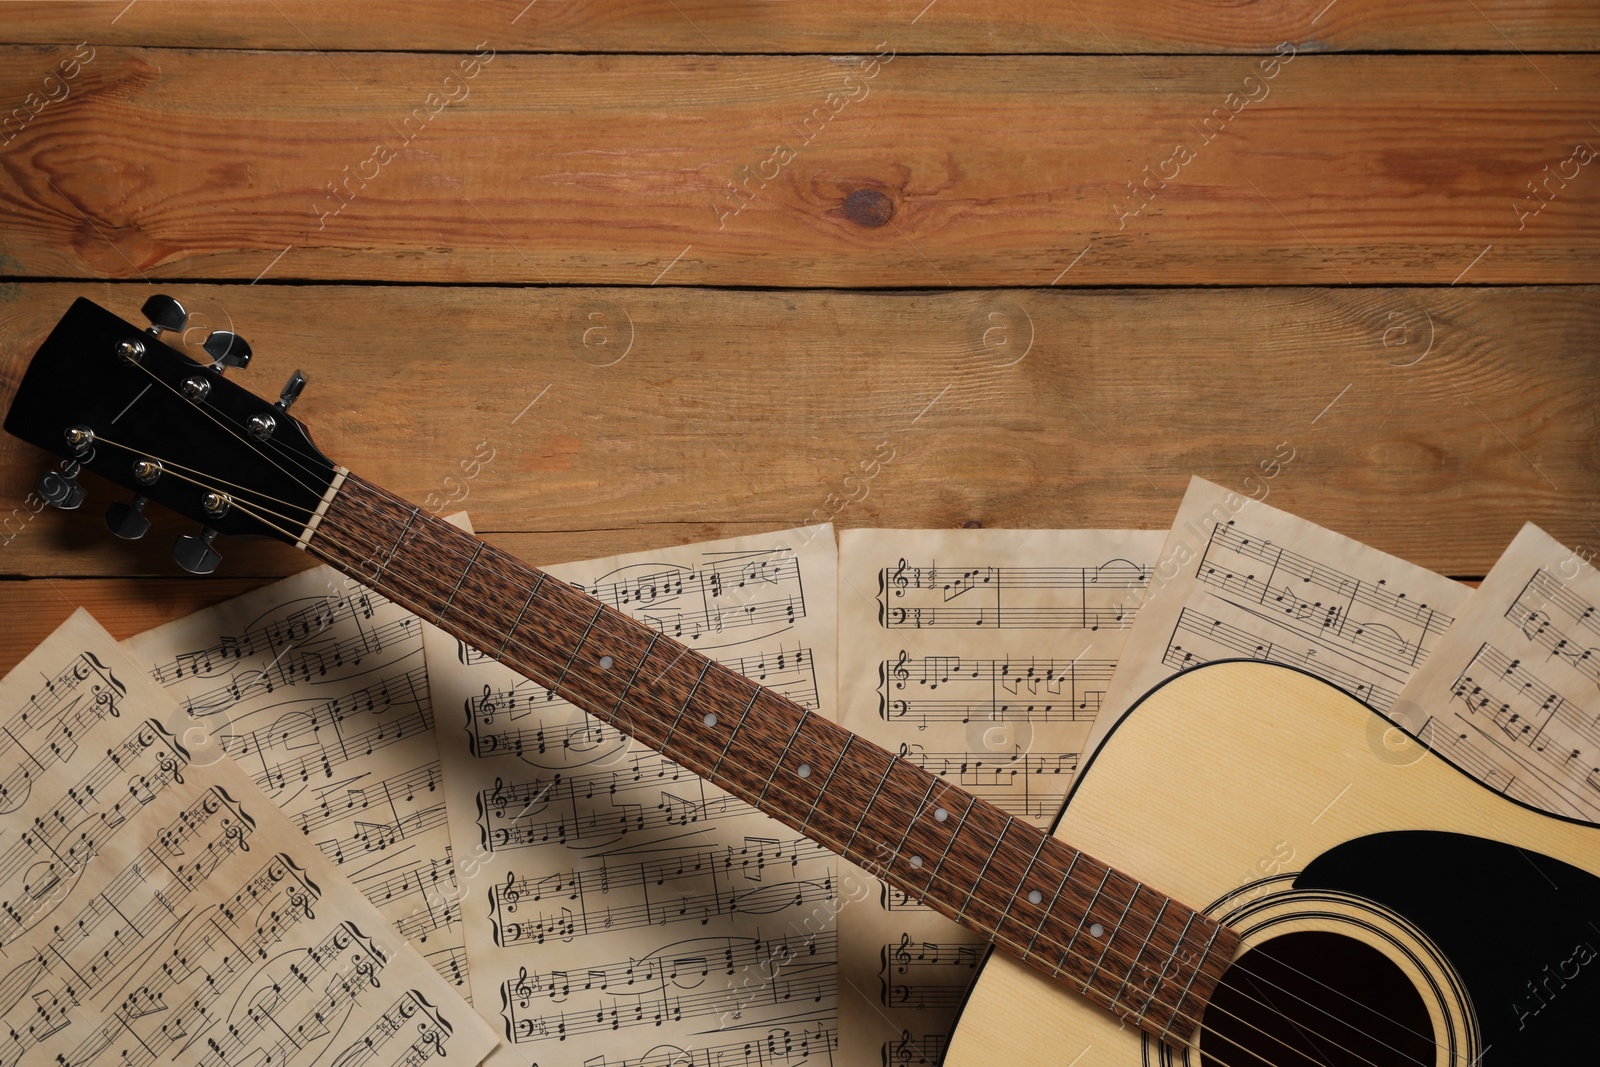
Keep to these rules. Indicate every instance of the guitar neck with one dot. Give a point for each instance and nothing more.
(1125, 946)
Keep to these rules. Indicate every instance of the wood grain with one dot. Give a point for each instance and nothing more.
(975, 26)
(733, 412)
(873, 808)
(33, 608)
(736, 412)
(806, 171)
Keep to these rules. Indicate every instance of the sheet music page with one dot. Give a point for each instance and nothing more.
(1238, 578)
(1509, 695)
(619, 910)
(983, 656)
(158, 908)
(319, 690)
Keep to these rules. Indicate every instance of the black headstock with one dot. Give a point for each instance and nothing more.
(110, 397)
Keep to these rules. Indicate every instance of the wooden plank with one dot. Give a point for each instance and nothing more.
(35, 608)
(974, 26)
(1428, 422)
(943, 171)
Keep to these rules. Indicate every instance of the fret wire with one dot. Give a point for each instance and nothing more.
(686, 702)
(626, 689)
(468, 570)
(520, 614)
(972, 802)
(1065, 878)
(390, 557)
(799, 723)
(599, 609)
(1081, 920)
(734, 731)
(996, 935)
(1160, 976)
(1216, 929)
(868, 806)
(1044, 839)
(1177, 947)
(824, 787)
(984, 869)
(1116, 928)
(1136, 956)
(933, 783)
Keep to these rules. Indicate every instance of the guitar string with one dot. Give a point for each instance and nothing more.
(238, 430)
(1135, 961)
(181, 472)
(995, 935)
(278, 447)
(1088, 991)
(1044, 867)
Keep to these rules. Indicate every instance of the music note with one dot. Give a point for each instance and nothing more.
(122, 965)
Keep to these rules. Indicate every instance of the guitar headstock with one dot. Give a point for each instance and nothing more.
(111, 397)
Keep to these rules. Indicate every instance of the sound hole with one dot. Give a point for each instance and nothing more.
(1316, 999)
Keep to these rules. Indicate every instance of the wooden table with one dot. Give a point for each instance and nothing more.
(613, 275)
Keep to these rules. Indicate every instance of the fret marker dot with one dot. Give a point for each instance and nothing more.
(940, 815)
(1096, 930)
(711, 718)
(1036, 897)
(916, 862)
(804, 770)
(606, 662)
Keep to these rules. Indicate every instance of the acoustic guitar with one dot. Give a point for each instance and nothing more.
(1278, 876)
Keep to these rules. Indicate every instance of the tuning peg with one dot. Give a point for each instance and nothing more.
(291, 391)
(127, 521)
(195, 554)
(228, 349)
(164, 313)
(61, 489)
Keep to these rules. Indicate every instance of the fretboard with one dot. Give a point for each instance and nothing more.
(1125, 946)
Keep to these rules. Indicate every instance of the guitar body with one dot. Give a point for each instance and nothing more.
(1394, 911)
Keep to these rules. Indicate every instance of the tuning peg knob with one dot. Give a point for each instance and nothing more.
(60, 489)
(127, 521)
(195, 554)
(291, 391)
(164, 313)
(228, 349)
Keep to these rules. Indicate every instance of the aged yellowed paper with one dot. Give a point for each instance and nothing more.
(619, 910)
(158, 908)
(1512, 693)
(1240, 579)
(983, 656)
(318, 688)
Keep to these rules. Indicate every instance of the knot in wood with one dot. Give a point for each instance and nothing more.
(868, 207)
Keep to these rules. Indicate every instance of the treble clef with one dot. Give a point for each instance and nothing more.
(902, 955)
(363, 968)
(431, 1037)
(301, 902)
(899, 579)
(169, 766)
(235, 833)
(509, 894)
(901, 674)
